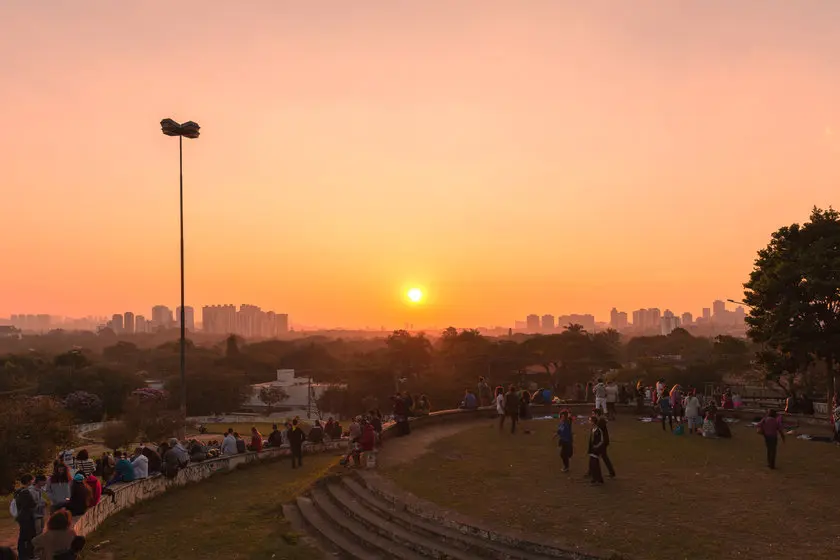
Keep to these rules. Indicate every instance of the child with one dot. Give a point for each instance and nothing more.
(709, 426)
(564, 438)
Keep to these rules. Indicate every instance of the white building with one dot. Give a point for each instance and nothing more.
(303, 394)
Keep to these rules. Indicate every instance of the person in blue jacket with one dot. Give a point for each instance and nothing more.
(564, 438)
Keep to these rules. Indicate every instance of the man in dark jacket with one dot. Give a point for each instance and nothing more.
(512, 407)
(602, 423)
(275, 438)
(296, 437)
(26, 506)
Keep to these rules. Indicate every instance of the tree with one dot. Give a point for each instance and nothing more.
(85, 407)
(147, 414)
(271, 396)
(408, 354)
(794, 298)
(32, 431)
(118, 435)
(211, 391)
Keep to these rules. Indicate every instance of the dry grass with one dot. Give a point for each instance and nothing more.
(674, 498)
(234, 516)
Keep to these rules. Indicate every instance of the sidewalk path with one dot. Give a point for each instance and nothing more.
(399, 450)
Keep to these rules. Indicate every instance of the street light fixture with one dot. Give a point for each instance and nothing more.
(189, 129)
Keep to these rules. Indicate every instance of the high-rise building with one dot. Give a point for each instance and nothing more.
(282, 324)
(586, 320)
(639, 318)
(547, 323)
(116, 323)
(140, 325)
(668, 323)
(189, 317)
(161, 317)
(128, 322)
(532, 323)
(654, 316)
(618, 319)
(219, 319)
(707, 314)
(687, 319)
(719, 310)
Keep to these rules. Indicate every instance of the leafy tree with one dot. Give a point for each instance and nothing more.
(122, 353)
(32, 431)
(794, 298)
(408, 354)
(85, 407)
(147, 414)
(231, 346)
(74, 360)
(271, 396)
(111, 385)
(118, 435)
(210, 391)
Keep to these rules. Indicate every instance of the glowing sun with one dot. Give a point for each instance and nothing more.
(415, 295)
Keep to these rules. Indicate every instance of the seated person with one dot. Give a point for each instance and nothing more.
(316, 434)
(469, 402)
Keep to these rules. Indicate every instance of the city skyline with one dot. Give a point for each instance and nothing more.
(505, 157)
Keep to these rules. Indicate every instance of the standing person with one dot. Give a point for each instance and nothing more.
(500, 406)
(25, 506)
(676, 402)
(84, 463)
(565, 439)
(692, 412)
(666, 412)
(524, 405)
(603, 424)
(600, 392)
(58, 486)
(512, 407)
(612, 399)
(484, 395)
(596, 446)
(296, 438)
(640, 397)
(660, 390)
(771, 429)
(37, 490)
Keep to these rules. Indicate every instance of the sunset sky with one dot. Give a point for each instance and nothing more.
(538, 156)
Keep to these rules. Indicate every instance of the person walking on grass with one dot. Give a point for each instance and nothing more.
(771, 429)
(692, 412)
(666, 411)
(512, 407)
(565, 440)
(596, 447)
(603, 424)
(500, 406)
(600, 392)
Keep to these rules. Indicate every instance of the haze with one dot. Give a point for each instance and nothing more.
(506, 157)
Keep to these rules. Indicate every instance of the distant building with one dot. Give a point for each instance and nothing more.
(302, 395)
(282, 326)
(532, 323)
(116, 323)
(161, 317)
(707, 314)
(687, 319)
(547, 323)
(189, 317)
(668, 322)
(249, 322)
(586, 320)
(219, 319)
(140, 325)
(128, 322)
(719, 310)
(618, 319)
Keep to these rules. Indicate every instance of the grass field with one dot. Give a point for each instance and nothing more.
(675, 497)
(235, 516)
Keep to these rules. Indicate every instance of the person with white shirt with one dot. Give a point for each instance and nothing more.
(612, 399)
(692, 412)
(141, 464)
(229, 444)
(600, 392)
(500, 405)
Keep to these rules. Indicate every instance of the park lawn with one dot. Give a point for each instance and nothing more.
(235, 516)
(675, 497)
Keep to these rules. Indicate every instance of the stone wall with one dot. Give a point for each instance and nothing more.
(128, 494)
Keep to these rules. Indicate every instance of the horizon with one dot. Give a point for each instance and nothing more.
(545, 157)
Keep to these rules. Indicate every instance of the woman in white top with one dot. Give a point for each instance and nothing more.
(500, 404)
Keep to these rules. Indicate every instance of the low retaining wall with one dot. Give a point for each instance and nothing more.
(128, 494)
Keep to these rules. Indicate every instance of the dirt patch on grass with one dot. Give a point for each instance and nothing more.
(676, 497)
(399, 450)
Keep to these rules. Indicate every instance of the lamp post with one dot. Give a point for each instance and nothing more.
(189, 129)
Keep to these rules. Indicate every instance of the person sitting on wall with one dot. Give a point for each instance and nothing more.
(240, 443)
(256, 440)
(316, 433)
(124, 470)
(469, 402)
(275, 438)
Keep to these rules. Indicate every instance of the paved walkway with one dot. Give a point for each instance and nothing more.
(399, 450)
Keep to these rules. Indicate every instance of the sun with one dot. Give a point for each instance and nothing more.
(415, 295)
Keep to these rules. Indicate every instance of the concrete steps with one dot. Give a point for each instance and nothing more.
(360, 519)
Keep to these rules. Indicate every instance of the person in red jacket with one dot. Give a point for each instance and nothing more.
(368, 439)
(256, 440)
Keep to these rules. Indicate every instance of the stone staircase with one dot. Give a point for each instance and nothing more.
(359, 516)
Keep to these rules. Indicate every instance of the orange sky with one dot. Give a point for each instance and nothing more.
(511, 157)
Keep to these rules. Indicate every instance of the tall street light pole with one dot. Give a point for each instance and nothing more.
(189, 129)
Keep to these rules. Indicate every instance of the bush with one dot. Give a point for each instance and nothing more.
(86, 407)
(118, 435)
